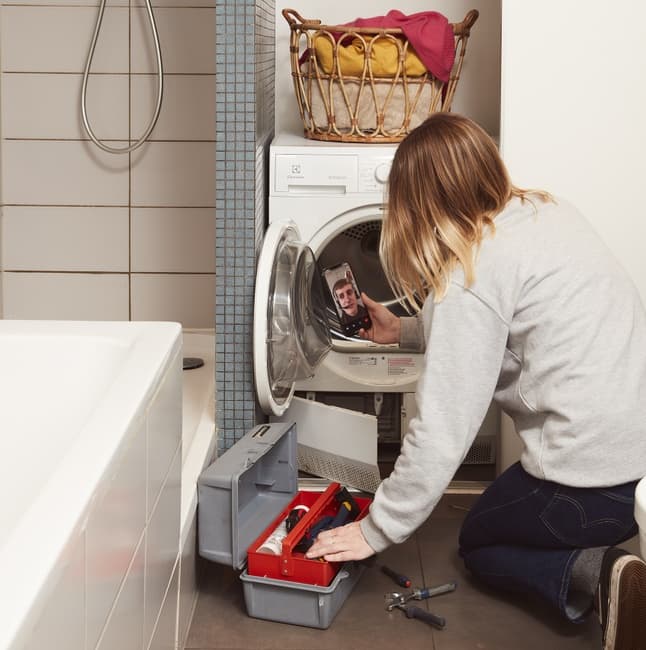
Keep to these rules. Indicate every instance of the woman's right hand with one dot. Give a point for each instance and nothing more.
(385, 325)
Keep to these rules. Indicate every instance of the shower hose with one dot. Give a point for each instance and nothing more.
(160, 84)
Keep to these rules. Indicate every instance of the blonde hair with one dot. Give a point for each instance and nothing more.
(447, 183)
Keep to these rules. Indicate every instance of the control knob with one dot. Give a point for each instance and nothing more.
(382, 171)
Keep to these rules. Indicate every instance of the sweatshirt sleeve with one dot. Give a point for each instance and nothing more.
(466, 340)
(411, 335)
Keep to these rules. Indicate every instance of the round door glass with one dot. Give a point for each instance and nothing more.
(299, 333)
(359, 246)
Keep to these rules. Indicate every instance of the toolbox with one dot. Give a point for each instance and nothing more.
(243, 496)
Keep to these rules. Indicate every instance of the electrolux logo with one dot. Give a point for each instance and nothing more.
(295, 171)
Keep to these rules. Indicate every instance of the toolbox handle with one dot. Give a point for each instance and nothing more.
(286, 558)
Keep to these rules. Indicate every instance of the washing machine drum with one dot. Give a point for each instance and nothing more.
(291, 329)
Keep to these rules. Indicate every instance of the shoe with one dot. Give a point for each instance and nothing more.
(621, 600)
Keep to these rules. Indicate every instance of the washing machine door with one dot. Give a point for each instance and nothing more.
(291, 330)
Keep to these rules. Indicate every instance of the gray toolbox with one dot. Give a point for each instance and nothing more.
(242, 497)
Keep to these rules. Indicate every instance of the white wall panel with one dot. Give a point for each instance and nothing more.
(173, 240)
(187, 299)
(188, 38)
(47, 106)
(65, 296)
(162, 542)
(37, 172)
(125, 627)
(572, 112)
(163, 433)
(114, 528)
(61, 624)
(174, 174)
(164, 637)
(56, 238)
(187, 109)
(56, 39)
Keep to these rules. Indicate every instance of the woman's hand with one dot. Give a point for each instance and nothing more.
(341, 544)
(385, 325)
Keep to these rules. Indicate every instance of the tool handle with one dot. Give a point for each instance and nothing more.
(429, 592)
(401, 580)
(296, 533)
(417, 612)
(341, 516)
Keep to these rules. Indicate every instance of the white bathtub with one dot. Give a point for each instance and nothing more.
(90, 447)
(198, 450)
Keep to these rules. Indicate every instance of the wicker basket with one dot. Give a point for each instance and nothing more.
(345, 101)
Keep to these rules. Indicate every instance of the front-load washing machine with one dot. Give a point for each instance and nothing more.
(351, 399)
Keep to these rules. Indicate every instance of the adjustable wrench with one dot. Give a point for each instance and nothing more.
(396, 599)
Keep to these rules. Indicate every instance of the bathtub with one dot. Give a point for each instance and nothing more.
(90, 442)
(198, 451)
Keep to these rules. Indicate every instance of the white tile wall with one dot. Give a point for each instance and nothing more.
(65, 239)
(174, 174)
(114, 528)
(162, 543)
(125, 627)
(56, 39)
(70, 209)
(181, 53)
(62, 622)
(187, 110)
(163, 437)
(187, 584)
(173, 240)
(37, 172)
(46, 106)
(164, 636)
(167, 297)
(65, 296)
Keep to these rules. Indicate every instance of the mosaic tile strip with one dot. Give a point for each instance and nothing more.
(245, 45)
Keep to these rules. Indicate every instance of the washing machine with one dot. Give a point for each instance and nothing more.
(351, 399)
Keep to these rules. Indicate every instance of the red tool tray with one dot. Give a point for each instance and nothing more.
(293, 565)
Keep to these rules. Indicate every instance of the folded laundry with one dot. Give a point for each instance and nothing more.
(429, 32)
(383, 55)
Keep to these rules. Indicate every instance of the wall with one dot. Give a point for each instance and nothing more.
(86, 234)
(572, 119)
(478, 92)
(245, 122)
(572, 113)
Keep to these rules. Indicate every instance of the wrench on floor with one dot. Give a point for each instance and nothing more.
(396, 599)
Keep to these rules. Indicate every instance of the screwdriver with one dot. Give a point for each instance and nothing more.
(401, 580)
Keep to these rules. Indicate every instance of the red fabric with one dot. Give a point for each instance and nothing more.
(429, 32)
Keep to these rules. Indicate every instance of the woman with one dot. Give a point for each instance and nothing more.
(522, 303)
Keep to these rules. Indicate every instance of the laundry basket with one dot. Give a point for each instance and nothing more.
(376, 94)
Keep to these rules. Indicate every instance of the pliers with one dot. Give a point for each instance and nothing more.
(396, 599)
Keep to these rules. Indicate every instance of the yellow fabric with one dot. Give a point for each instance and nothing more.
(384, 56)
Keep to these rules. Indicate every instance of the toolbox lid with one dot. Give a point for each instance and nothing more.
(244, 489)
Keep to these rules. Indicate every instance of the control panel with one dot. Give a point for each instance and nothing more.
(330, 174)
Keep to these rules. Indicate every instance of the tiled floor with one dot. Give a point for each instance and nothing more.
(477, 618)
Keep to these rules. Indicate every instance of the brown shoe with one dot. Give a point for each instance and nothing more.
(621, 601)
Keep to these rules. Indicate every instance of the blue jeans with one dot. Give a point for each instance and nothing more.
(524, 534)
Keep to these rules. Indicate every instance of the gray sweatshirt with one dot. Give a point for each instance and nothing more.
(554, 330)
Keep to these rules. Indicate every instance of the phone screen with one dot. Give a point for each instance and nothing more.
(351, 311)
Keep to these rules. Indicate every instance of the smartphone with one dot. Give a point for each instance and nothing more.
(345, 294)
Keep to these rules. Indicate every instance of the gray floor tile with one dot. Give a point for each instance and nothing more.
(477, 618)
(221, 622)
